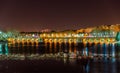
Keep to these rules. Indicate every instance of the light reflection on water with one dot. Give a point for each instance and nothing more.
(97, 64)
(79, 49)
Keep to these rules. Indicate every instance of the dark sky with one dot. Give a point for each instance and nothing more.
(35, 15)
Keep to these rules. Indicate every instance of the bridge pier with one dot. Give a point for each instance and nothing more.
(4, 49)
(1, 49)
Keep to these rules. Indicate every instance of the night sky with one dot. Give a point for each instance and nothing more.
(35, 15)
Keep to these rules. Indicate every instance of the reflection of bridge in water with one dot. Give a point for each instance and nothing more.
(78, 46)
(72, 43)
(85, 49)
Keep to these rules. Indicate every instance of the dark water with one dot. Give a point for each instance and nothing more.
(60, 66)
(106, 58)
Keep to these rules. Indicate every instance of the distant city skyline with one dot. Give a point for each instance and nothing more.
(58, 15)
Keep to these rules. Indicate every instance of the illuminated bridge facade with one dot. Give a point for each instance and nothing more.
(66, 37)
(79, 37)
(85, 44)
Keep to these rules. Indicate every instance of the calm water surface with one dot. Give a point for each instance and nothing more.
(59, 65)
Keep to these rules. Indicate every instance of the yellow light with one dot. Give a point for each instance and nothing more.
(75, 40)
(55, 40)
(36, 40)
(60, 40)
(9, 39)
(95, 41)
(44, 35)
(89, 40)
(52, 35)
(50, 40)
(101, 41)
(106, 41)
